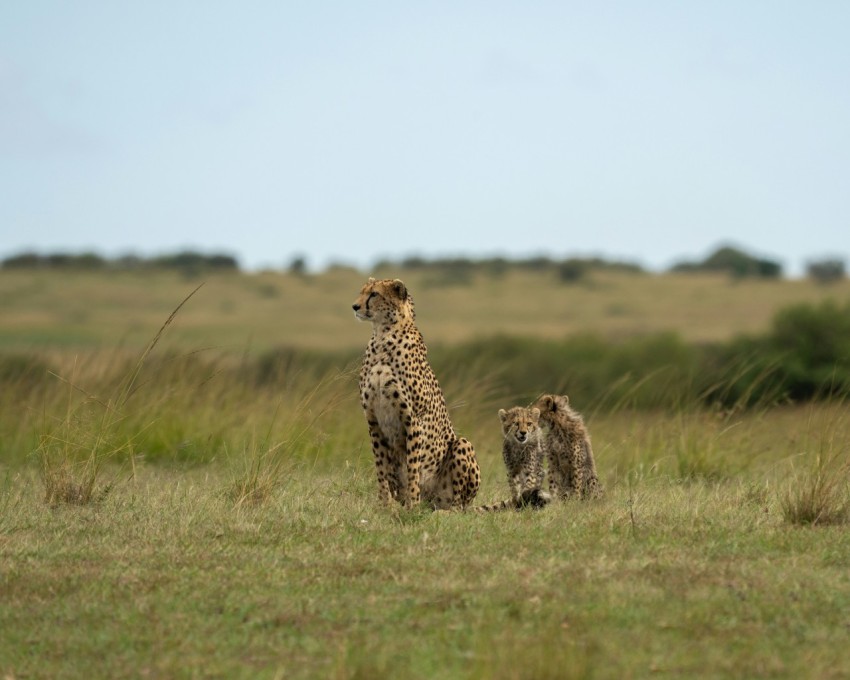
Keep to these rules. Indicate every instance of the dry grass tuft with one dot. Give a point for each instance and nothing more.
(820, 495)
(264, 473)
(66, 482)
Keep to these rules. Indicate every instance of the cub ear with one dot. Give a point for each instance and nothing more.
(548, 403)
(503, 414)
(399, 289)
(560, 403)
(535, 414)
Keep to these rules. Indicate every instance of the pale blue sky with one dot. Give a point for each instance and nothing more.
(349, 131)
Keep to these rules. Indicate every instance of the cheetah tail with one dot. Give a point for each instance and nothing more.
(496, 507)
(530, 498)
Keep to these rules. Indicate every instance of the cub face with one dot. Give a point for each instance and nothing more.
(520, 423)
(379, 300)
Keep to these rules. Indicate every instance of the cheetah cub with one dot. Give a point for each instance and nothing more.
(523, 455)
(572, 471)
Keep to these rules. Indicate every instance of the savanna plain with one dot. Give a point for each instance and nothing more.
(187, 489)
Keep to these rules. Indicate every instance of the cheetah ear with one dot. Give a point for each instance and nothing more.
(370, 281)
(560, 403)
(535, 414)
(549, 403)
(399, 289)
(503, 414)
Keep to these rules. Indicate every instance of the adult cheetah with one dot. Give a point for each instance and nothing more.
(572, 470)
(418, 456)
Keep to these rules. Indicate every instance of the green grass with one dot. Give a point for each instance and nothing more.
(178, 572)
(166, 577)
(220, 518)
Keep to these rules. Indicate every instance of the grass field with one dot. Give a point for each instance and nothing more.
(166, 578)
(162, 515)
(78, 310)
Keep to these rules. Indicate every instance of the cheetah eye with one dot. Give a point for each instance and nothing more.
(372, 294)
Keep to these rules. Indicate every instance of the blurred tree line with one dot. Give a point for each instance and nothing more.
(440, 271)
(186, 261)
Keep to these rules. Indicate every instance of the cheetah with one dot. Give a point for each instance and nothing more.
(523, 456)
(418, 456)
(572, 471)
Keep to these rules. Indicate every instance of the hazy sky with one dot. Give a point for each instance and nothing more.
(349, 131)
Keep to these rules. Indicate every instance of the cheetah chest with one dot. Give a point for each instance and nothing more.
(388, 403)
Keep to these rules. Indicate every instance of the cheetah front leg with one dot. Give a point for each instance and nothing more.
(396, 437)
(533, 478)
(515, 485)
(465, 474)
(388, 482)
(577, 465)
(560, 476)
(521, 482)
(412, 482)
(591, 487)
(406, 443)
(398, 472)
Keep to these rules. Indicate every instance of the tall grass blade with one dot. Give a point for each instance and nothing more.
(71, 460)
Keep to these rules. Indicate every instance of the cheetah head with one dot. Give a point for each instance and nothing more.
(383, 301)
(553, 406)
(520, 423)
